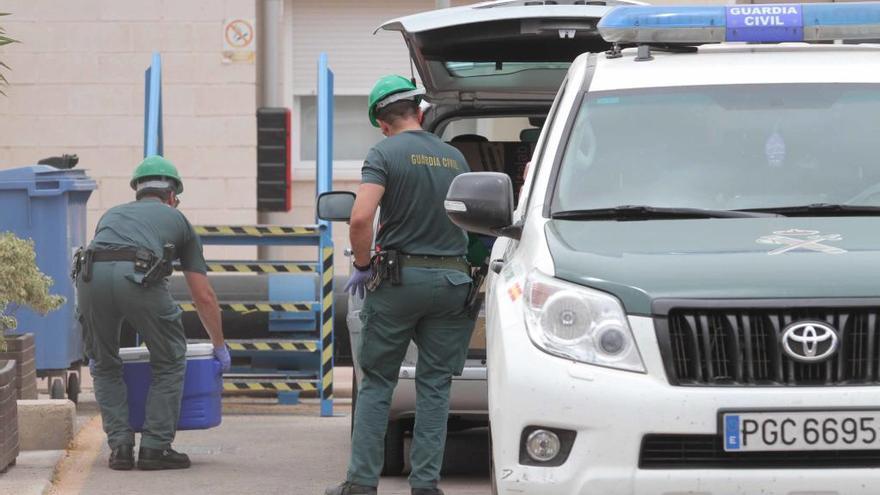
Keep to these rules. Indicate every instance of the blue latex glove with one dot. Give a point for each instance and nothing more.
(357, 284)
(222, 354)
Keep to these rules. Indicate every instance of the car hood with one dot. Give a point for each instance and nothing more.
(749, 258)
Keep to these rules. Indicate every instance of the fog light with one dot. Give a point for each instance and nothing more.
(612, 341)
(542, 445)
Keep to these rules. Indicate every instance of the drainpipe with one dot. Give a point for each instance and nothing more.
(269, 54)
(269, 92)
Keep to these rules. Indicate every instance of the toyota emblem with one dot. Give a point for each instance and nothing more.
(810, 341)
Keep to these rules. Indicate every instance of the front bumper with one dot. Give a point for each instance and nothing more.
(611, 411)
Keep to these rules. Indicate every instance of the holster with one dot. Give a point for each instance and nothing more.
(473, 302)
(158, 268)
(76, 264)
(87, 265)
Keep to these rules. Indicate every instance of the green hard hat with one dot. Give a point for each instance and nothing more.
(389, 86)
(156, 166)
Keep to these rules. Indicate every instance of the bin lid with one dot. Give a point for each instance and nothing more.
(44, 180)
(142, 355)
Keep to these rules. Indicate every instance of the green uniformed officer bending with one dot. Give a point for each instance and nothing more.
(122, 276)
(408, 174)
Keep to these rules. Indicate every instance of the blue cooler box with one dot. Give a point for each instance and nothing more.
(202, 387)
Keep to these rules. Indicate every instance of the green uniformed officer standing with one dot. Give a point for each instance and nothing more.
(408, 174)
(122, 276)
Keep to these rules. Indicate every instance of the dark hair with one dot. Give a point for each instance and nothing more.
(163, 194)
(398, 110)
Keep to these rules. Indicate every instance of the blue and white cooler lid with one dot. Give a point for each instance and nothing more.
(142, 355)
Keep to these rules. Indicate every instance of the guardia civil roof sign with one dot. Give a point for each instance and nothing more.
(765, 23)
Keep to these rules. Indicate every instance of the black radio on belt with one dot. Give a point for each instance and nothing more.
(386, 266)
(391, 263)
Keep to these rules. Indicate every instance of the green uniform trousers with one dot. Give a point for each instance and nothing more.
(103, 303)
(428, 308)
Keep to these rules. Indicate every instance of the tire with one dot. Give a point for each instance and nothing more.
(393, 449)
(354, 398)
(56, 390)
(73, 387)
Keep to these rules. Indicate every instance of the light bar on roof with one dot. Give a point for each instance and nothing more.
(767, 23)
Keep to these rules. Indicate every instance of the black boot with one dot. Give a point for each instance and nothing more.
(348, 488)
(122, 458)
(426, 491)
(156, 459)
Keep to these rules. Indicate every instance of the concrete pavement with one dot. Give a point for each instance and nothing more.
(32, 474)
(261, 448)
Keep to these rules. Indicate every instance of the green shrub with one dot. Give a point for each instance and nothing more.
(21, 282)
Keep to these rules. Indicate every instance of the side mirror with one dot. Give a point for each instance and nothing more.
(335, 206)
(482, 202)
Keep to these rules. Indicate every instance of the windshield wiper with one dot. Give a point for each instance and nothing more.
(641, 212)
(820, 210)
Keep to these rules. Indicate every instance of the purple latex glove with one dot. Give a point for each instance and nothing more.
(357, 284)
(222, 354)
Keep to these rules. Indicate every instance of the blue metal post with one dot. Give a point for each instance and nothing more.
(324, 183)
(153, 108)
(152, 113)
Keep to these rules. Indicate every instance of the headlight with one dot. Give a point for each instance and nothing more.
(583, 324)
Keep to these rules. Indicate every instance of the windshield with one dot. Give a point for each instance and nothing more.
(724, 147)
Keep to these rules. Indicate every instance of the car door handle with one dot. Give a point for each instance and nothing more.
(496, 265)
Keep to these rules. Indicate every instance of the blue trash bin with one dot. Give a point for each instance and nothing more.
(48, 205)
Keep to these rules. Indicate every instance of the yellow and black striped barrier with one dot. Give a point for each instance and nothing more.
(256, 267)
(269, 386)
(327, 325)
(320, 380)
(255, 307)
(301, 346)
(256, 231)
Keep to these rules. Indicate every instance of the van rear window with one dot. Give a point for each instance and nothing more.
(477, 69)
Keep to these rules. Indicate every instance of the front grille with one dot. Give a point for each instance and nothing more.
(706, 451)
(735, 346)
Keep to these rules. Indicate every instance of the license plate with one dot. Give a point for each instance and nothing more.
(801, 430)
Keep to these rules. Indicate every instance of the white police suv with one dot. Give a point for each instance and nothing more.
(686, 298)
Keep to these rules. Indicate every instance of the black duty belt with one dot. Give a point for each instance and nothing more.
(439, 262)
(144, 260)
(114, 255)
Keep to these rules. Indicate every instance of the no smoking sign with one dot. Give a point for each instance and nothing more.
(238, 40)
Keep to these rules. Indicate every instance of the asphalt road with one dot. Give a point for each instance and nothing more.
(261, 448)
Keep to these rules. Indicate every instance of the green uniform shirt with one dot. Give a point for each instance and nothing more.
(416, 169)
(151, 224)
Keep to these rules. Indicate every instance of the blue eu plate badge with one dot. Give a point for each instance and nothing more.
(765, 23)
(731, 432)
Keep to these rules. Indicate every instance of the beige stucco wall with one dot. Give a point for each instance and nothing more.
(77, 86)
(77, 83)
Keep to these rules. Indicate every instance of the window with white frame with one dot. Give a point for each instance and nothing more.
(353, 136)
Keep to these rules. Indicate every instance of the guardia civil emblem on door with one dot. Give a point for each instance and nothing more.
(801, 240)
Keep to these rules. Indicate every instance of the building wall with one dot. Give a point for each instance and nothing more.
(77, 86)
(343, 29)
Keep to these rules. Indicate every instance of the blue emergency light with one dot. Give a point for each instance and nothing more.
(768, 23)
